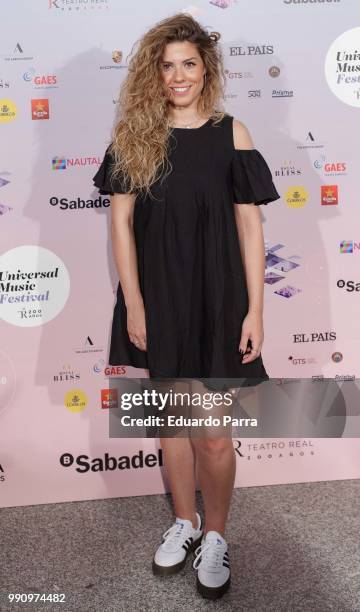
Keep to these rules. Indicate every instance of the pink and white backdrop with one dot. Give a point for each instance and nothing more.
(293, 77)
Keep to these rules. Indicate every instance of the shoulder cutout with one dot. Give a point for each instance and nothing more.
(241, 136)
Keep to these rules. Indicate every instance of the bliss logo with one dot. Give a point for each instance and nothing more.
(349, 246)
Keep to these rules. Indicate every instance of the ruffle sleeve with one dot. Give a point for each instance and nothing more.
(252, 178)
(106, 184)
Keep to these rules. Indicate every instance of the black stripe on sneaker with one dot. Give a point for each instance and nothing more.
(190, 540)
(185, 546)
(225, 564)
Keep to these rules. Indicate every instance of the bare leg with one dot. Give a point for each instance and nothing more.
(216, 466)
(180, 468)
(179, 457)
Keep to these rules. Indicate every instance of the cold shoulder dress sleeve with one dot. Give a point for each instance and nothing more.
(251, 178)
(105, 182)
(191, 274)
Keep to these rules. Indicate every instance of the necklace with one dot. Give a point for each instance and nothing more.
(188, 125)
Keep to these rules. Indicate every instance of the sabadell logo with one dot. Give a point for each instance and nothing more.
(79, 204)
(108, 463)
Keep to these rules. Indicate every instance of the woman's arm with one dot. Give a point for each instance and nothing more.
(251, 239)
(125, 257)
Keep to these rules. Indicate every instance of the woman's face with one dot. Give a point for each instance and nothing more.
(182, 71)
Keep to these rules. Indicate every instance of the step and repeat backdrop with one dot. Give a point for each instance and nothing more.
(293, 77)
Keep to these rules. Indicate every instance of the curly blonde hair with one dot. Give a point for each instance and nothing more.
(140, 140)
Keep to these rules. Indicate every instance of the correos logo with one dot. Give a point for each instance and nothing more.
(342, 67)
(76, 400)
(296, 197)
(7, 110)
(34, 286)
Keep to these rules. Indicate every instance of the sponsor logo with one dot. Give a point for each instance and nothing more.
(114, 371)
(320, 336)
(17, 54)
(349, 285)
(296, 361)
(329, 195)
(330, 168)
(282, 93)
(107, 463)
(254, 93)
(109, 398)
(252, 50)
(98, 366)
(7, 110)
(310, 143)
(44, 81)
(66, 374)
(40, 109)
(274, 71)
(288, 169)
(34, 286)
(276, 449)
(117, 64)
(342, 67)
(79, 204)
(238, 75)
(88, 347)
(76, 400)
(62, 163)
(349, 246)
(296, 197)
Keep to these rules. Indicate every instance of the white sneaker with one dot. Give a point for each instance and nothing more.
(178, 541)
(212, 563)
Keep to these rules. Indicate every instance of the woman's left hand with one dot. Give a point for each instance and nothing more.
(252, 329)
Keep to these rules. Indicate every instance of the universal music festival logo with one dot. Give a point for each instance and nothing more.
(34, 286)
(342, 67)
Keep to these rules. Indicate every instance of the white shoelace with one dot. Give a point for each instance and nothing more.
(174, 536)
(211, 555)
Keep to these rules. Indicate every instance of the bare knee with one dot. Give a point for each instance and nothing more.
(213, 447)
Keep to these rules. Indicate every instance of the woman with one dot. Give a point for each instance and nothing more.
(184, 180)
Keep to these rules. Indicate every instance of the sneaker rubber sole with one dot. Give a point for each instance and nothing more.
(212, 592)
(167, 570)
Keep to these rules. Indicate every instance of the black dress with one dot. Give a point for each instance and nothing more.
(190, 270)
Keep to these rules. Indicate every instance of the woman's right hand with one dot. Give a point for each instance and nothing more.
(136, 325)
